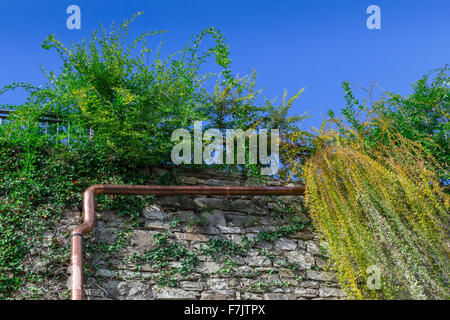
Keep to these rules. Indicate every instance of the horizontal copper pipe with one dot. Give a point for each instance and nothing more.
(76, 237)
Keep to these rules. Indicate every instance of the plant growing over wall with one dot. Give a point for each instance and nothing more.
(382, 206)
(132, 98)
(422, 116)
(160, 257)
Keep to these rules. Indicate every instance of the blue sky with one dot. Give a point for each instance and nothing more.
(290, 44)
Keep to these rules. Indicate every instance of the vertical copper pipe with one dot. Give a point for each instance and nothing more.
(76, 238)
(76, 261)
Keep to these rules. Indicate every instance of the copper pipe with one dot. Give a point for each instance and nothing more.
(77, 234)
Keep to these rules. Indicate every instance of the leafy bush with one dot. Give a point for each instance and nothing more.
(381, 206)
(118, 114)
(32, 202)
(422, 116)
(107, 87)
(376, 190)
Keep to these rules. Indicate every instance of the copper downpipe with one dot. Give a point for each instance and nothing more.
(76, 238)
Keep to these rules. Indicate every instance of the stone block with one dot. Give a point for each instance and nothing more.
(306, 292)
(259, 261)
(279, 296)
(173, 294)
(183, 216)
(320, 276)
(309, 284)
(210, 203)
(177, 202)
(238, 260)
(229, 230)
(242, 205)
(191, 236)
(237, 238)
(192, 285)
(156, 225)
(285, 244)
(264, 245)
(185, 180)
(142, 240)
(105, 234)
(216, 218)
(215, 284)
(300, 258)
(331, 292)
(215, 295)
(209, 230)
(257, 229)
(301, 244)
(312, 248)
(153, 212)
(251, 296)
(241, 220)
(216, 182)
(208, 267)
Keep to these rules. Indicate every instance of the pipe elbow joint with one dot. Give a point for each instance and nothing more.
(95, 190)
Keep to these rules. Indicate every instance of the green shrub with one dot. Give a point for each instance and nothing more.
(107, 87)
(382, 206)
(422, 116)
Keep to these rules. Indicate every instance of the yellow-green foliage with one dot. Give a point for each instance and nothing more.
(381, 206)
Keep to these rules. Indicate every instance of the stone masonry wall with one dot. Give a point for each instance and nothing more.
(237, 247)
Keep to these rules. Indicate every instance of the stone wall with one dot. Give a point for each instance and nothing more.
(237, 247)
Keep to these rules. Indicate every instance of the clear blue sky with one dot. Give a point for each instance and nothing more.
(291, 44)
